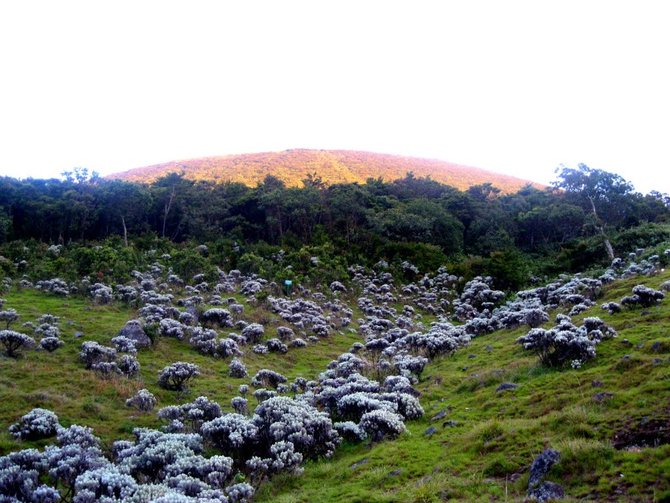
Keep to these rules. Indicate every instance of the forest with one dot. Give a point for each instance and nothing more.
(514, 237)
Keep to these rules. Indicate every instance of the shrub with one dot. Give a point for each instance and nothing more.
(268, 378)
(240, 405)
(92, 353)
(535, 317)
(51, 344)
(153, 451)
(105, 484)
(217, 316)
(237, 369)
(350, 431)
(276, 346)
(175, 376)
(200, 410)
(143, 400)
(77, 435)
(15, 341)
(128, 366)
(124, 344)
(106, 370)
(253, 332)
(240, 493)
(557, 347)
(8, 317)
(214, 471)
(36, 424)
(227, 347)
(643, 296)
(100, 293)
(381, 423)
(310, 431)
(232, 433)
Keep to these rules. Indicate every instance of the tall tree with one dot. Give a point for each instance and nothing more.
(599, 191)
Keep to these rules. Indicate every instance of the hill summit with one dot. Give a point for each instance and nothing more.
(332, 166)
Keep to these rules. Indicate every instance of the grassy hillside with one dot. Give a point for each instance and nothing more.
(58, 381)
(602, 417)
(483, 447)
(333, 166)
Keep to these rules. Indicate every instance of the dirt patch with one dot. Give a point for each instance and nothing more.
(648, 432)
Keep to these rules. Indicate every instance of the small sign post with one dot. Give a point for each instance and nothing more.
(288, 285)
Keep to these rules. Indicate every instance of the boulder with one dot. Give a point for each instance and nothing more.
(541, 466)
(548, 491)
(134, 331)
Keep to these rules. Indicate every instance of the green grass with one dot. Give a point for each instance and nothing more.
(58, 381)
(483, 454)
(486, 455)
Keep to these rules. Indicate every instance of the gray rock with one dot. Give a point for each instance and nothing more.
(79, 334)
(360, 463)
(451, 423)
(506, 386)
(430, 431)
(603, 396)
(548, 491)
(134, 331)
(540, 466)
(440, 415)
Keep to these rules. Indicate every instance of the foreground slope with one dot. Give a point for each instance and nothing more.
(610, 420)
(332, 166)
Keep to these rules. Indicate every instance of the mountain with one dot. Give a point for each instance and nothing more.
(333, 166)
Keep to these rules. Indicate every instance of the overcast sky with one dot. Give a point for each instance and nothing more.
(515, 86)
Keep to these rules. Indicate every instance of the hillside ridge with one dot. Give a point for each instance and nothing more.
(332, 166)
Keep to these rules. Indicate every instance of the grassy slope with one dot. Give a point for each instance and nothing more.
(333, 166)
(484, 456)
(487, 454)
(58, 381)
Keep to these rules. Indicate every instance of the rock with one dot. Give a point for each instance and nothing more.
(603, 396)
(472, 356)
(395, 473)
(657, 361)
(134, 331)
(440, 415)
(488, 348)
(506, 386)
(451, 423)
(541, 466)
(597, 384)
(430, 431)
(656, 347)
(548, 491)
(79, 334)
(360, 463)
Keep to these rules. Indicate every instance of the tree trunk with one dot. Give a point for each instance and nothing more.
(125, 231)
(167, 210)
(601, 229)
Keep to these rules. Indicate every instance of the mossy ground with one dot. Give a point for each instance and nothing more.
(481, 449)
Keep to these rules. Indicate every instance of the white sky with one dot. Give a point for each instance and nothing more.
(514, 86)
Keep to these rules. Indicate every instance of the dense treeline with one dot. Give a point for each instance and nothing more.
(412, 218)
